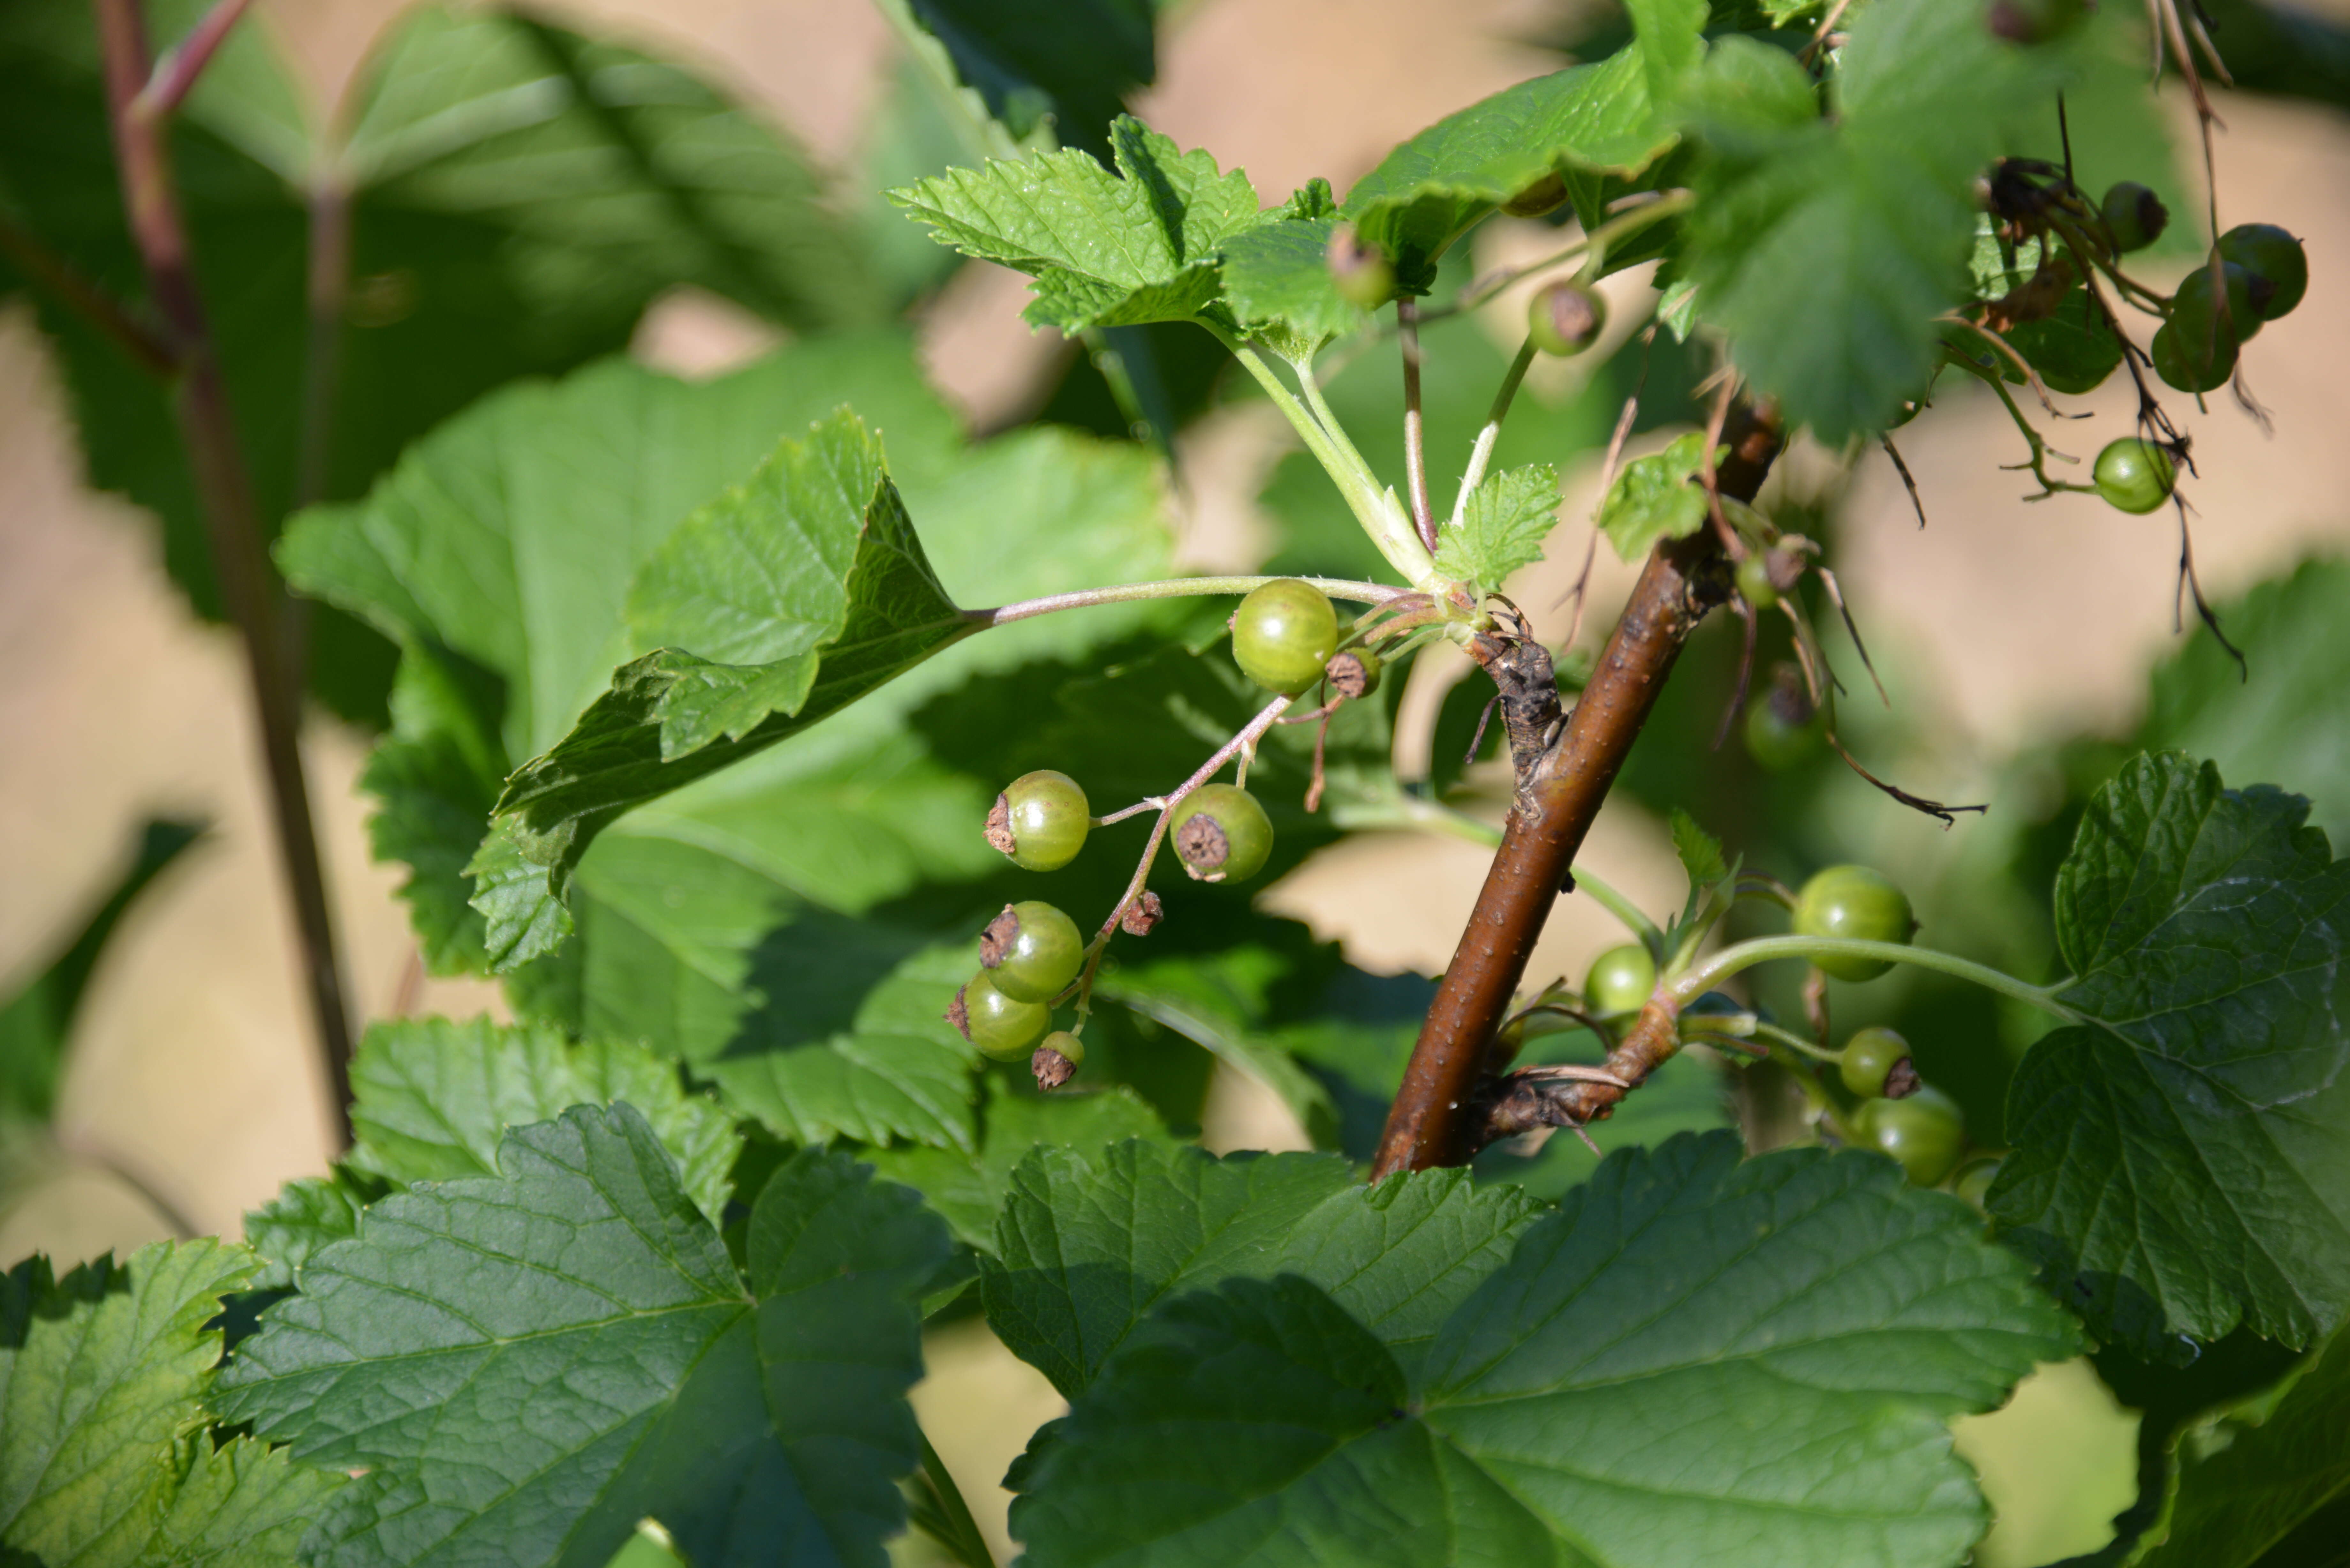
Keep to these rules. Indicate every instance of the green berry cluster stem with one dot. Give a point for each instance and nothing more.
(1481, 456)
(1173, 588)
(1729, 961)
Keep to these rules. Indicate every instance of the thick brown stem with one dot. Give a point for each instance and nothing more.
(1563, 773)
(232, 523)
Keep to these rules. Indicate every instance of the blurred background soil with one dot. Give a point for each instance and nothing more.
(2000, 625)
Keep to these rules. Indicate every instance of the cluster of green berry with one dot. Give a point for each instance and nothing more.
(1907, 1118)
(1285, 638)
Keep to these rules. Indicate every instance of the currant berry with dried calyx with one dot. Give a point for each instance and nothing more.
(1620, 982)
(1924, 1132)
(1352, 673)
(2135, 216)
(1056, 1059)
(1040, 820)
(1003, 1027)
(1876, 1064)
(2273, 256)
(1360, 270)
(1565, 317)
(1283, 635)
(1857, 903)
(1031, 951)
(2135, 476)
(1221, 834)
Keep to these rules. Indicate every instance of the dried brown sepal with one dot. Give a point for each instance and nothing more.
(958, 1014)
(999, 827)
(1903, 1081)
(1202, 845)
(996, 943)
(1348, 675)
(1142, 916)
(1051, 1068)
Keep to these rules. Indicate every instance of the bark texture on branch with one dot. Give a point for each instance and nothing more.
(1447, 1106)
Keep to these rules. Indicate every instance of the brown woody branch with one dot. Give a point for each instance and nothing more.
(225, 489)
(1451, 1102)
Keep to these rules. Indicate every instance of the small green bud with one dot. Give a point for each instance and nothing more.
(2135, 214)
(1565, 317)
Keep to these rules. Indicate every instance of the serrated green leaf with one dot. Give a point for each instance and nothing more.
(584, 1284)
(1278, 276)
(1106, 249)
(1701, 852)
(1655, 499)
(2182, 1154)
(968, 1190)
(2247, 1478)
(518, 194)
(99, 1372)
(239, 1505)
(1595, 1400)
(308, 1213)
(1089, 1243)
(432, 1099)
(1745, 96)
(1825, 252)
(1502, 528)
(434, 778)
(810, 588)
(1594, 118)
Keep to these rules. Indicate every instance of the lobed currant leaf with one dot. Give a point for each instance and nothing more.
(2181, 1161)
(432, 1099)
(1106, 249)
(1588, 1401)
(1586, 119)
(1502, 528)
(583, 1282)
(1655, 498)
(101, 1372)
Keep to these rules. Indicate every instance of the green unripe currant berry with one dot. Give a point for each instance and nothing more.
(2194, 304)
(1221, 834)
(2194, 367)
(1925, 1132)
(1973, 1181)
(2268, 252)
(1031, 951)
(1870, 1059)
(1000, 1026)
(1565, 317)
(1783, 728)
(1359, 269)
(1855, 902)
(2135, 476)
(1621, 981)
(1056, 1059)
(1283, 635)
(1353, 672)
(2135, 214)
(1040, 820)
(1547, 195)
(1754, 583)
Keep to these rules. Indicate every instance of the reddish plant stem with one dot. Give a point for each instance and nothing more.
(85, 298)
(175, 74)
(1439, 1115)
(208, 431)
